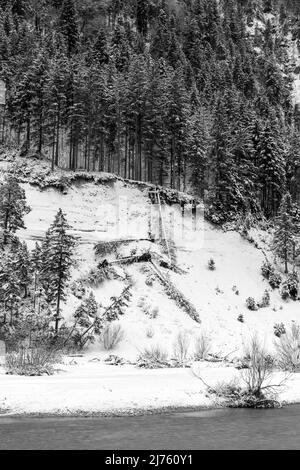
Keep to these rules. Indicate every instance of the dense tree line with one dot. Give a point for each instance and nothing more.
(35, 284)
(172, 92)
(32, 283)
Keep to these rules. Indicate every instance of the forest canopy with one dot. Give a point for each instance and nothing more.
(178, 93)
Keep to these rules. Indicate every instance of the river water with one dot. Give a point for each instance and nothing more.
(206, 429)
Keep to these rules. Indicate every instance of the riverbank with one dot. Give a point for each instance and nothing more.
(88, 389)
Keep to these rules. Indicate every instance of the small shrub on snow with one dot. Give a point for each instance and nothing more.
(275, 280)
(267, 269)
(235, 290)
(279, 329)
(284, 291)
(99, 275)
(265, 301)
(150, 280)
(181, 348)
(153, 358)
(241, 318)
(78, 289)
(211, 265)
(288, 349)
(154, 312)
(111, 336)
(150, 332)
(251, 304)
(290, 287)
(218, 290)
(202, 347)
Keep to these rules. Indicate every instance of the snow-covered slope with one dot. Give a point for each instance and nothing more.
(120, 210)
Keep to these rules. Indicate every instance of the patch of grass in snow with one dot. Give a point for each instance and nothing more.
(31, 362)
(154, 357)
(111, 336)
(181, 348)
(202, 347)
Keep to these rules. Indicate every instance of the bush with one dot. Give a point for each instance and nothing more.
(211, 265)
(241, 318)
(284, 291)
(181, 348)
(153, 358)
(202, 347)
(267, 269)
(279, 329)
(150, 332)
(111, 336)
(257, 393)
(275, 280)
(154, 312)
(99, 275)
(150, 280)
(78, 289)
(290, 287)
(251, 304)
(259, 368)
(265, 301)
(104, 248)
(288, 349)
(31, 361)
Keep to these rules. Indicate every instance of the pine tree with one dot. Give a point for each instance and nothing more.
(271, 169)
(116, 308)
(36, 263)
(87, 311)
(12, 207)
(100, 49)
(10, 288)
(57, 251)
(142, 12)
(284, 235)
(24, 267)
(69, 25)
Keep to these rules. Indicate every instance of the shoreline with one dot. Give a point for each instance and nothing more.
(91, 390)
(130, 413)
(122, 413)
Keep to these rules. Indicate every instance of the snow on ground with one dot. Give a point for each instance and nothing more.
(84, 385)
(118, 210)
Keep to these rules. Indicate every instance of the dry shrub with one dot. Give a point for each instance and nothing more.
(258, 392)
(181, 347)
(259, 369)
(202, 347)
(150, 332)
(288, 349)
(153, 358)
(31, 361)
(111, 336)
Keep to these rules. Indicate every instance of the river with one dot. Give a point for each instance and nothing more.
(205, 429)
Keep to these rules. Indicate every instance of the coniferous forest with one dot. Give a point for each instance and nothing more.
(177, 93)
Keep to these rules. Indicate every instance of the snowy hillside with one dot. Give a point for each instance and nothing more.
(118, 210)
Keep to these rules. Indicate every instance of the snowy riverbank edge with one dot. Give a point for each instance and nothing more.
(106, 391)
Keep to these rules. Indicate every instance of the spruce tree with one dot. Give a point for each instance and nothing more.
(13, 207)
(285, 231)
(68, 22)
(24, 267)
(57, 251)
(86, 311)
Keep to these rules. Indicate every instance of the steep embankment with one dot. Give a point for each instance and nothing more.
(105, 208)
